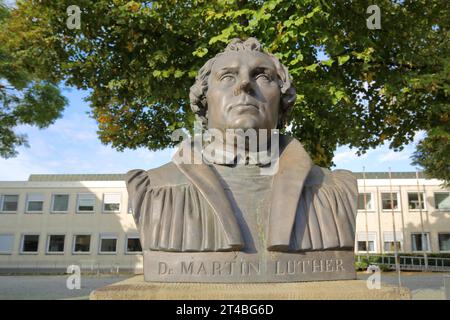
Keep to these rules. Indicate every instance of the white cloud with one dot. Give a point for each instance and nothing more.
(419, 136)
(19, 168)
(348, 155)
(75, 128)
(345, 156)
(393, 156)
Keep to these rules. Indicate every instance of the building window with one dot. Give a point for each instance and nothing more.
(60, 203)
(389, 246)
(35, 202)
(111, 202)
(420, 242)
(366, 241)
(108, 244)
(442, 200)
(444, 241)
(133, 245)
(55, 243)
(362, 246)
(414, 202)
(9, 202)
(389, 201)
(30, 243)
(6, 243)
(389, 243)
(86, 203)
(81, 243)
(365, 204)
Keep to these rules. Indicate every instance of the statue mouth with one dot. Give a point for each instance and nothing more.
(242, 107)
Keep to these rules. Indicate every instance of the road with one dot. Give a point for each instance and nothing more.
(423, 285)
(48, 287)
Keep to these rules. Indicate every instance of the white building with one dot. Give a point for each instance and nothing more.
(52, 221)
(420, 214)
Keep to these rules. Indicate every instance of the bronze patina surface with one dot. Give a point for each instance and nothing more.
(220, 220)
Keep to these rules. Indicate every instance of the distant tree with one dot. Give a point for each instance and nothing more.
(24, 98)
(356, 86)
(433, 154)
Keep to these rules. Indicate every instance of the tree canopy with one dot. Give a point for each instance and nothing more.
(24, 98)
(355, 86)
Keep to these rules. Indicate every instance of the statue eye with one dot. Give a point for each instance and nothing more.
(227, 77)
(263, 76)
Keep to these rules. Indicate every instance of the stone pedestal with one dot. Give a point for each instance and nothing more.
(136, 288)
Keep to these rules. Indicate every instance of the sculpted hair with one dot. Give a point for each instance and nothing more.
(198, 91)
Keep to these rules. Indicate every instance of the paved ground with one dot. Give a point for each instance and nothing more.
(422, 285)
(50, 287)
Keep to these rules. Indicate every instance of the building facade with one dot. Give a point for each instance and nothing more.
(417, 209)
(52, 221)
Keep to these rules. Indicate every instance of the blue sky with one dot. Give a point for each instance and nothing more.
(71, 145)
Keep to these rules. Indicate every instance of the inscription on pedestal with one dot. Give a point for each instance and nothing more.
(241, 267)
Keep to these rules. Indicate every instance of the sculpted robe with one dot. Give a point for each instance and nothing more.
(184, 207)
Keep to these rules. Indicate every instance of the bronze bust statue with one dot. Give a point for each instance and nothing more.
(222, 220)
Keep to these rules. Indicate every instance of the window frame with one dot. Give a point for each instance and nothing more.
(362, 251)
(74, 243)
(104, 203)
(12, 245)
(107, 236)
(47, 244)
(52, 209)
(398, 237)
(2, 201)
(398, 201)
(435, 203)
(439, 243)
(365, 235)
(424, 202)
(22, 241)
(372, 202)
(428, 242)
(132, 236)
(77, 209)
(27, 211)
(391, 251)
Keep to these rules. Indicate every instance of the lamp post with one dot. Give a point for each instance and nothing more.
(424, 242)
(397, 264)
(365, 211)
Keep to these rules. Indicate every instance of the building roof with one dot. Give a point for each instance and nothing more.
(385, 175)
(77, 177)
(121, 177)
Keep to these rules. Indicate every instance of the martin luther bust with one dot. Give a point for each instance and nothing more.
(223, 204)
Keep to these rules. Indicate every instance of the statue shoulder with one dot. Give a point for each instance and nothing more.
(319, 177)
(165, 175)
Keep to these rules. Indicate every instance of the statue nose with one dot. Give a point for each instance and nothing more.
(244, 86)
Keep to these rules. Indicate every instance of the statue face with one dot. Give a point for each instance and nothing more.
(243, 92)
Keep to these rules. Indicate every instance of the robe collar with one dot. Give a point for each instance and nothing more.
(294, 165)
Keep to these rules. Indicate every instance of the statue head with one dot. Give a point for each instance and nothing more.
(242, 88)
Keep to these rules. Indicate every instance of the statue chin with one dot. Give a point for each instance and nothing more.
(246, 122)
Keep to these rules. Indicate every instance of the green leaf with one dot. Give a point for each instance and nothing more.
(200, 52)
(343, 59)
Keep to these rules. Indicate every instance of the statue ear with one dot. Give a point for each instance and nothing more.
(287, 102)
(288, 99)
